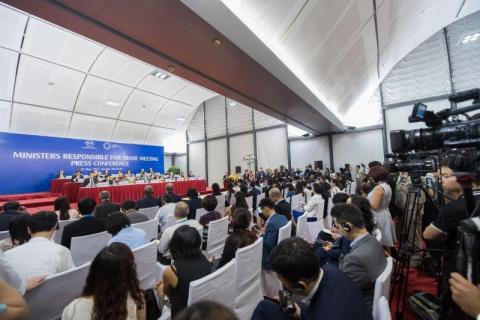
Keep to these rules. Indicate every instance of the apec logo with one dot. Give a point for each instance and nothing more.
(89, 144)
(108, 146)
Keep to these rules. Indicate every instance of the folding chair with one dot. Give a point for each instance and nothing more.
(85, 248)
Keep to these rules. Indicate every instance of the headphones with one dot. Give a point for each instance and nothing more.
(298, 286)
(347, 226)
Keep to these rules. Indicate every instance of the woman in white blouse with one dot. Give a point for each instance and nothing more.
(314, 206)
(61, 206)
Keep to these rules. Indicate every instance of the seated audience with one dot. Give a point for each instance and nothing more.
(11, 211)
(128, 207)
(105, 207)
(13, 305)
(167, 208)
(189, 265)
(327, 293)
(61, 206)
(209, 203)
(169, 188)
(18, 230)
(274, 222)
(181, 213)
(364, 205)
(116, 296)
(240, 237)
(13, 279)
(314, 206)
(148, 200)
(87, 224)
(240, 202)
(366, 259)
(119, 226)
(40, 256)
(340, 197)
(216, 190)
(282, 207)
(193, 202)
(207, 310)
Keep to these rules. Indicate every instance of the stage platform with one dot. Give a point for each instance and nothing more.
(31, 200)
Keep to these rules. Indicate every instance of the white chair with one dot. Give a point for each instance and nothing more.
(150, 227)
(378, 234)
(248, 287)
(285, 231)
(382, 287)
(328, 220)
(200, 212)
(296, 200)
(217, 234)
(308, 195)
(218, 286)
(302, 228)
(221, 204)
(146, 262)
(249, 201)
(4, 235)
(383, 310)
(47, 301)
(85, 248)
(200, 231)
(149, 212)
(57, 237)
(260, 197)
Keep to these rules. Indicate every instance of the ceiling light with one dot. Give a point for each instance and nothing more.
(181, 119)
(160, 74)
(51, 83)
(112, 103)
(471, 37)
(232, 104)
(216, 43)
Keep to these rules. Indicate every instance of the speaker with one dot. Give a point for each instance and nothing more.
(238, 169)
(318, 164)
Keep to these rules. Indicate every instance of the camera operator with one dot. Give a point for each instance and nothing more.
(325, 293)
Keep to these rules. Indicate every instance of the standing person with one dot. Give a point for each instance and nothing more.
(314, 206)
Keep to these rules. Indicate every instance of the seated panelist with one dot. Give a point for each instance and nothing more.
(60, 175)
(77, 176)
(91, 180)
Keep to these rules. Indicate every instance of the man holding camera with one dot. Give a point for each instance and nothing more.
(323, 293)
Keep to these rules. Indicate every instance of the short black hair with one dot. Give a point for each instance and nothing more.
(294, 259)
(340, 197)
(42, 221)
(128, 205)
(116, 221)
(86, 206)
(192, 193)
(267, 203)
(345, 212)
(11, 206)
(374, 163)
(185, 243)
(206, 310)
(209, 203)
(364, 205)
(167, 198)
(318, 188)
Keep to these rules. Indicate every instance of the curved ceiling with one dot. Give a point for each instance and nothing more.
(54, 82)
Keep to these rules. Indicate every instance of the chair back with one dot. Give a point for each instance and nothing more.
(4, 234)
(296, 200)
(85, 248)
(218, 286)
(285, 231)
(47, 301)
(146, 263)
(383, 310)
(382, 287)
(57, 237)
(378, 234)
(249, 201)
(302, 227)
(150, 227)
(248, 287)
(259, 198)
(217, 234)
(221, 204)
(200, 212)
(149, 212)
(328, 222)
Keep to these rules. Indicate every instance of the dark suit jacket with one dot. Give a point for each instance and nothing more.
(74, 177)
(6, 217)
(176, 198)
(84, 226)
(147, 202)
(103, 209)
(284, 208)
(363, 264)
(136, 217)
(193, 204)
(270, 238)
(87, 181)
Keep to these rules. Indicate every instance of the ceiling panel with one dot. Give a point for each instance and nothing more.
(118, 67)
(47, 84)
(164, 87)
(129, 132)
(142, 107)
(12, 26)
(8, 65)
(5, 108)
(40, 121)
(90, 127)
(159, 136)
(168, 116)
(193, 95)
(54, 44)
(102, 97)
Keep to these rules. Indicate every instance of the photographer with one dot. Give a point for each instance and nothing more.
(324, 292)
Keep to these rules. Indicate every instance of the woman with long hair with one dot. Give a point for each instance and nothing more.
(216, 189)
(240, 202)
(61, 206)
(364, 205)
(18, 230)
(112, 290)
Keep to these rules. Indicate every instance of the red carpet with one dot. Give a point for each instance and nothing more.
(26, 196)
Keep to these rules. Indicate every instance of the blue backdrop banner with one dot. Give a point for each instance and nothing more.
(28, 163)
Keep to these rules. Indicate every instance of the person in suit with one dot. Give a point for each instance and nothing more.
(325, 293)
(77, 176)
(11, 211)
(273, 222)
(91, 180)
(194, 202)
(60, 175)
(87, 224)
(366, 259)
(281, 205)
(176, 197)
(128, 208)
(148, 201)
(105, 207)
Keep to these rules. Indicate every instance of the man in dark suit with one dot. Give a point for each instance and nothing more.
(87, 224)
(327, 293)
(366, 259)
(77, 176)
(194, 202)
(169, 188)
(10, 212)
(105, 207)
(281, 205)
(148, 201)
(91, 180)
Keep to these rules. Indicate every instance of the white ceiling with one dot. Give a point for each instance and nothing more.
(326, 51)
(57, 83)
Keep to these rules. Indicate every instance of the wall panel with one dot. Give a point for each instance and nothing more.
(272, 148)
(358, 147)
(167, 162)
(181, 162)
(197, 159)
(304, 152)
(217, 160)
(240, 146)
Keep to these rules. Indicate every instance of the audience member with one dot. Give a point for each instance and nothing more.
(9, 275)
(366, 259)
(128, 207)
(281, 205)
(169, 188)
(364, 205)
(240, 202)
(87, 224)
(340, 197)
(13, 306)
(112, 289)
(326, 293)
(166, 210)
(148, 200)
(61, 206)
(207, 310)
(209, 203)
(193, 202)
(240, 237)
(10, 212)
(273, 222)
(40, 256)
(105, 207)
(18, 230)
(216, 190)
(189, 264)
(314, 206)
(119, 226)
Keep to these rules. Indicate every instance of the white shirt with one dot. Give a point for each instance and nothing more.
(81, 309)
(10, 276)
(314, 206)
(39, 257)
(164, 244)
(163, 212)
